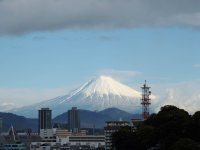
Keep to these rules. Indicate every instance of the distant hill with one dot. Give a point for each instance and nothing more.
(18, 122)
(88, 119)
(117, 114)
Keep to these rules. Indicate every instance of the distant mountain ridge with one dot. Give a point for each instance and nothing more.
(88, 119)
(18, 122)
(98, 94)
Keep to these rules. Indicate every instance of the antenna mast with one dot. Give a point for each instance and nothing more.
(145, 101)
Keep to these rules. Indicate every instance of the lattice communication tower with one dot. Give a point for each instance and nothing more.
(145, 101)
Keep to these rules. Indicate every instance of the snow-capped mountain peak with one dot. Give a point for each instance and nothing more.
(105, 85)
(97, 94)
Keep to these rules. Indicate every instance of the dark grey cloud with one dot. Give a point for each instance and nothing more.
(25, 16)
(39, 38)
(108, 38)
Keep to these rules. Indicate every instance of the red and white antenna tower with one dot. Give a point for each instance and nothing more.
(145, 101)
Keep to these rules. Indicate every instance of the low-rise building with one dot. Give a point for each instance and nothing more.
(45, 146)
(63, 133)
(15, 146)
(71, 142)
(88, 140)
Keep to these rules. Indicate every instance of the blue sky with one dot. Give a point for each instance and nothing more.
(58, 53)
(65, 58)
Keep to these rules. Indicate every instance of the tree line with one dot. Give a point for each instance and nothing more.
(170, 129)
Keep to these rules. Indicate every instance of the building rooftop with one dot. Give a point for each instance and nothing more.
(44, 108)
(117, 122)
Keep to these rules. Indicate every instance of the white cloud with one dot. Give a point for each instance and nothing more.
(25, 16)
(20, 97)
(196, 65)
(184, 95)
(6, 106)
(120, 75)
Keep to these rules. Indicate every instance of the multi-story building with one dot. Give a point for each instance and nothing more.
(111, 127)
(74, 120)
(45, 123)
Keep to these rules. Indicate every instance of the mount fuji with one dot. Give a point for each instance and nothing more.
(95, 95)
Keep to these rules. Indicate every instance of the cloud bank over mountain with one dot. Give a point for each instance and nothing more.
(22, 16)
(104, 92)
(185, 95)
(119, 75)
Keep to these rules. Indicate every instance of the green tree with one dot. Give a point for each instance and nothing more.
(146, 136)
(171, 124)
(125, 139)
(196, 126)
(185, 144)
(166, 129)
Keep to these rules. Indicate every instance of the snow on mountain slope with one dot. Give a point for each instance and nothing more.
(98, 94)
(106, 85)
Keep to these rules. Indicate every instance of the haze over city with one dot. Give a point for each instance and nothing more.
(50, 47)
